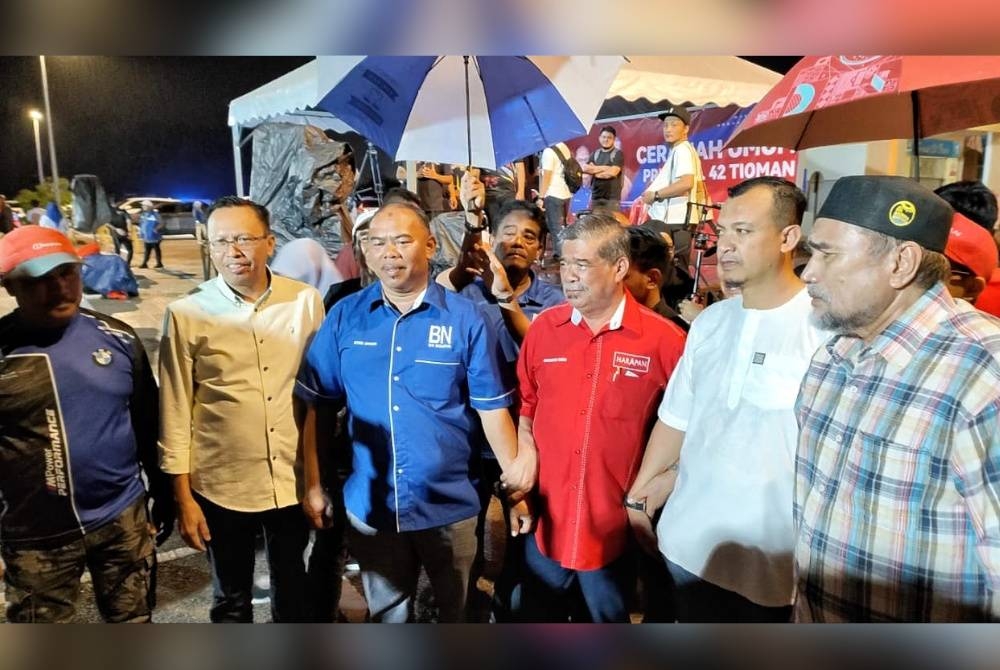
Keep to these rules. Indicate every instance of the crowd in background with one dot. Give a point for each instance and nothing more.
(819, 444)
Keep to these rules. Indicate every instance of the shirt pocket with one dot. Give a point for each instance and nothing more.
(887, 490)
(626, 398)
(437, 380)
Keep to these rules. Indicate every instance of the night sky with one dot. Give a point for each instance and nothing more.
(143, 125)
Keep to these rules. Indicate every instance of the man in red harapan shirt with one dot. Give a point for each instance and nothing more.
(591, 373)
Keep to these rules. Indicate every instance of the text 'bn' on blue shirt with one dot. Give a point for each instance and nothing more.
(412, 383)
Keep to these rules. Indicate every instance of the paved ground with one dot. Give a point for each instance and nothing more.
(184, 589)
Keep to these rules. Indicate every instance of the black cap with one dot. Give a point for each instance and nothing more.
(895, 206)
(677, 111)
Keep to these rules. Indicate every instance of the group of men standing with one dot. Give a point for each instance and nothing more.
(821, 448)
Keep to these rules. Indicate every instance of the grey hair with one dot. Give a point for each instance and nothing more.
(934, 266)
(604, 227)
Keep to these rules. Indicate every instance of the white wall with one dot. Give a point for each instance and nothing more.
(831, 163)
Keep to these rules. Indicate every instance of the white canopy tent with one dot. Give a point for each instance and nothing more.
(700, 80)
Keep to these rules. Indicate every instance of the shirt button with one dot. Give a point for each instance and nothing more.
(261, 341)
(269, 398)
(271, 429)
(838, 438)
(265, 368)
(589, 375)
(395, 408)
(576, 451)
(395, 378)
(399, 348)
(582, 412)
(399, 471)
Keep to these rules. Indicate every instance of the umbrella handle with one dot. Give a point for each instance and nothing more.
(468, 111)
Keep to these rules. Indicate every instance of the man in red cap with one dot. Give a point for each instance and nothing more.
(972, 255)
(78, 420)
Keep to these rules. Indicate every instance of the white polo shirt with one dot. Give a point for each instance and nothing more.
(729, 518)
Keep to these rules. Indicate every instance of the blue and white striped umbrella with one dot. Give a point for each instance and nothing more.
(473, 110)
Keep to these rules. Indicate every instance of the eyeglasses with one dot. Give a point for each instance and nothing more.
(241, 242)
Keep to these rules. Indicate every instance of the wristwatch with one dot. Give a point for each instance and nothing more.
(638, 505)
(506, 300)
(480, 225)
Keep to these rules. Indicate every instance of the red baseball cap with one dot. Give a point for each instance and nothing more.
(971, 245)
(33, 251)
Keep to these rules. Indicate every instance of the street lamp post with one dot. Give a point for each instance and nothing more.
(36, 116)
(48, 126)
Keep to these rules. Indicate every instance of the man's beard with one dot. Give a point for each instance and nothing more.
(845, 324)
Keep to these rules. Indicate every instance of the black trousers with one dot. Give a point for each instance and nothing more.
(151, 247)
(231, 554)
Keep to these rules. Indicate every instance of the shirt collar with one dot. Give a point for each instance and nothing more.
(232, 296)
(433, 294)
(902, 338)
(531, 295)
(618, 319)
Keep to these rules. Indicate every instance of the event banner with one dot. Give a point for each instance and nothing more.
(641, 142)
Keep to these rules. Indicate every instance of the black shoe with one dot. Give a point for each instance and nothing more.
(144, 266)
(158, 266)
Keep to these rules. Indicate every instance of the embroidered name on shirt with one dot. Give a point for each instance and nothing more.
(637, 365)
(758, 357)
(364, 343)
(439, 337)
(556, 359)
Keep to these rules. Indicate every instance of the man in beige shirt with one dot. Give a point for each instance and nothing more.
(228, 359)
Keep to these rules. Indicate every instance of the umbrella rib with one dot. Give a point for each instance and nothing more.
(534, 118)
(805, 128)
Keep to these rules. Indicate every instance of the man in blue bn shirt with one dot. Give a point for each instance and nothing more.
(418, 369)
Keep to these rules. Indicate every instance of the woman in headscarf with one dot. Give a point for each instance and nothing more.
(306, 260)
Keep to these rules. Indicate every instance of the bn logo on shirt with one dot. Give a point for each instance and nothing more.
(439, 337)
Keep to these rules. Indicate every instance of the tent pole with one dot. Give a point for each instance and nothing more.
(915, 106)
(238, 160)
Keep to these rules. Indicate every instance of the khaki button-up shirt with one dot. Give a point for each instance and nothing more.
(227, 370)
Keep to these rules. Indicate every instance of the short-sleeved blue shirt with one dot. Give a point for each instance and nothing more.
(412, 383)
(540, 295)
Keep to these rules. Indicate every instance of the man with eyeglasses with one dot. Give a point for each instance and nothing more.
(228, 359)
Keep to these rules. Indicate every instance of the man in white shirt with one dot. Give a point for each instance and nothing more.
(554, 193)
(723, 448)
(675, 185)
(228, 359)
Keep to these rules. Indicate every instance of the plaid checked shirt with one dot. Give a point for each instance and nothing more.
(897, 476)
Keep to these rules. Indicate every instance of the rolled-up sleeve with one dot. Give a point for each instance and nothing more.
(176, 368)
